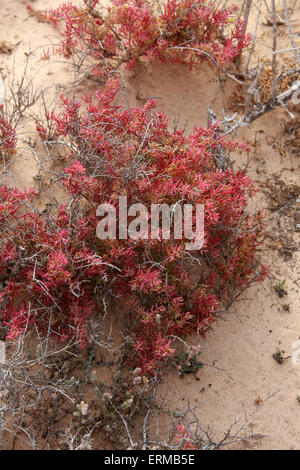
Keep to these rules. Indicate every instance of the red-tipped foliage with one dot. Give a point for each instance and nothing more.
(51, 272)
(54, 271)
(182, 31)
(168, 291)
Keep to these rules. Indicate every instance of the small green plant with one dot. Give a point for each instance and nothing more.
(280, 288)
(187, 361)
(278, 357)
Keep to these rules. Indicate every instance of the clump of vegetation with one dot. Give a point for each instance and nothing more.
(187, 361)
(64, 272)
(278, 357)
(130, 31)
(280, 289)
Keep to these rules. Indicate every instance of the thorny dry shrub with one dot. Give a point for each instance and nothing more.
(33, 384)
(130, 31)
(265, 86)
(51, 397)
(7, 137)
(17, 97)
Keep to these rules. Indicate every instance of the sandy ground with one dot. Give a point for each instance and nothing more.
(251, 383)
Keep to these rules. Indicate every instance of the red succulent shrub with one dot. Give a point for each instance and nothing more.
(182, 31)
(51, 274)
(56, 273)
(168, 290)
(183, 438)
(59, 273)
